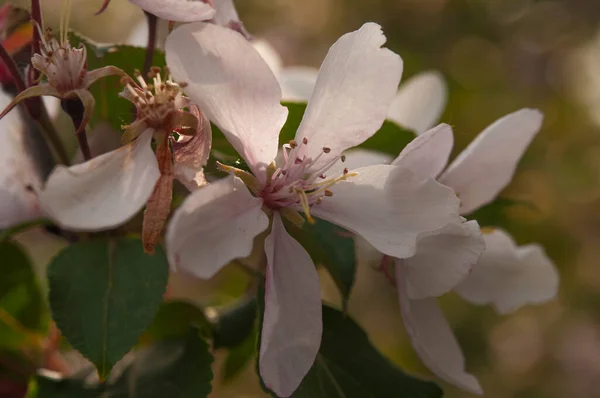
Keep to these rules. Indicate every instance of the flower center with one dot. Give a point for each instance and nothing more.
(63, 65)
(155, 102)
(291, 183)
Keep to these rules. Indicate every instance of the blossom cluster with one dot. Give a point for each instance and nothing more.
(413, 210)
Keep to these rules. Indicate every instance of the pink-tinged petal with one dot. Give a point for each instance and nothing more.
(433, 339)
(227, 16)
(444, 259)
(233, 86)
(389, 207)
(428, 153)
(104, 192)
(178, 10)
(269, 54)
(292, 324)
(487, 165)
(356, 84)
(509, 276)
(214, 225)
(298, 83)
(420, 102)
(190, 154)
(19, 179)
(357, 158)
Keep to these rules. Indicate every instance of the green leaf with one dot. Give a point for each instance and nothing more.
(174, 319)
(333, 248)
(45, 387)
(109, 106)
(348, 366)
(170, 368)
(21, 299)
(104, 294)
(240, 356)
(390, 138)
(233, 323)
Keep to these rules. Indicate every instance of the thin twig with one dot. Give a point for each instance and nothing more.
(152, 30)
(36, 16)
(75, 108)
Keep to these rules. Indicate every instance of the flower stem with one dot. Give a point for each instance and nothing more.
(152, 28)
(74, 108)
(36, 15)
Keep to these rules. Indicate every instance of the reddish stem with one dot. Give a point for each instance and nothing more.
(33, 105)
(36, 16)
(152, 28)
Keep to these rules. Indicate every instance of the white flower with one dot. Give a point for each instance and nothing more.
(385, 204)
(505, 275)
(178, 10)
(220, 12)
(110, 189)
(417, 106)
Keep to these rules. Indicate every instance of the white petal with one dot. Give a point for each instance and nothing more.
(509, 276)
(487, 165)
(178, 10)
(104, 192)
(214, 225)
(428, 153)
(233, 86)
(226, 13)
(389, 207)
(19, 178)
(444, 258)
(269, 54)
(355, 87)
(420, 102)
(292, 325)
(357, 158)
(297, 83)
(434, 341)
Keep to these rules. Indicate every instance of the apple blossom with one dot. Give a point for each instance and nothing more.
(505, 275)
(387, 205)
(108, 190)
(221, 12)
(68, 78)
(417, 106)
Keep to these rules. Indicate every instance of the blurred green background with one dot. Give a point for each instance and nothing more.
(497, 56)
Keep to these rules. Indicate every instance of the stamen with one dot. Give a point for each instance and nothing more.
(326, 150)
(305, 205)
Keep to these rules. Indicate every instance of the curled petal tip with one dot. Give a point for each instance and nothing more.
(103, 8)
